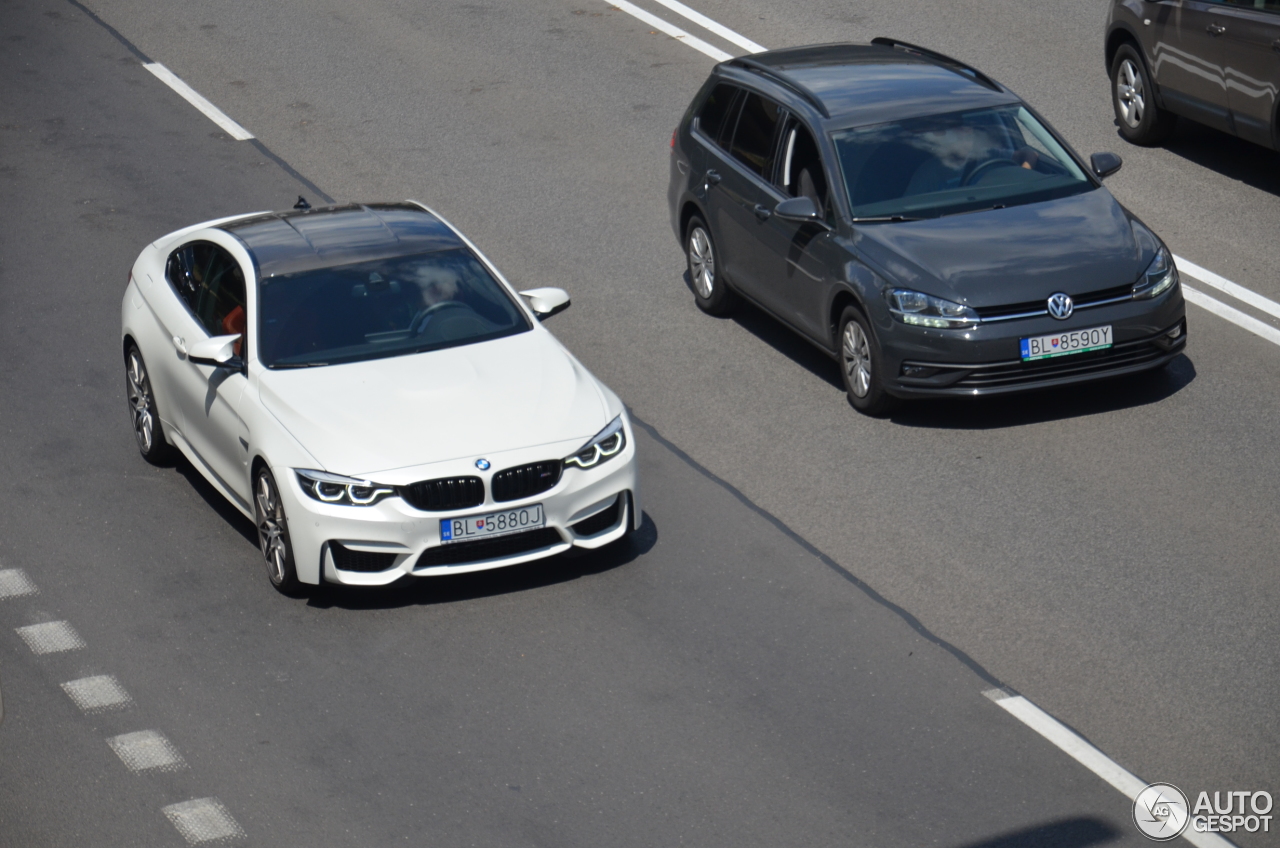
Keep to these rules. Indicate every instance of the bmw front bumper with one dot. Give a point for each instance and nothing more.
(379, 544)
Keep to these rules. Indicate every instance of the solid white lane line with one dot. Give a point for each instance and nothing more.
(670, 29)
(51, 637)
(1224, 285)
(1087, 755)
(203, 820)
(194, 97)
(14, 583)
(146, 750)
(712, 26)
(1235, 316)
(97, 694)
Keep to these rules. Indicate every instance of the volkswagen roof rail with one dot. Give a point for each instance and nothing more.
(978, 75)
(766, 71)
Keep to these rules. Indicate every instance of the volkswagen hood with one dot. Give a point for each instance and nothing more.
(362, 418)
(1084, 243)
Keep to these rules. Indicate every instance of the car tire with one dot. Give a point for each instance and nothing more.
(861, 366)
(273, 533)
(148, 432)
(710, 292)
(1140, 120)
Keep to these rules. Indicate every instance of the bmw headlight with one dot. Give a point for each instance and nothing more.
(336, 489)
(1160, 276)
(924, 310)
(606, 444)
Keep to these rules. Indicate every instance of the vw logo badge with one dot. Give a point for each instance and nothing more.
(482, 464)
(1061, 306)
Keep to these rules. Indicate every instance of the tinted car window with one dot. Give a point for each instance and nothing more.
(211, 283)
(387, 307)
(1264, 5)
(800, 172)
(959, 162)
(711, 117)
(753, 139)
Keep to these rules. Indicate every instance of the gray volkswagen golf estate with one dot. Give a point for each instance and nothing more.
(918, 222)
(1213, 61)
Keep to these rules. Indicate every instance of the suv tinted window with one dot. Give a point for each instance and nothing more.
(753, 138)
(210, 282)
(800, 172)
(1263, 5)
(711, 117)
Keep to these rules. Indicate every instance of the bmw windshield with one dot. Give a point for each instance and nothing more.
(387, 307)
(959, 162)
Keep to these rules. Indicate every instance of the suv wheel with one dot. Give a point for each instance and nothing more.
(709, 290)
(861, 366)
(1141, 120)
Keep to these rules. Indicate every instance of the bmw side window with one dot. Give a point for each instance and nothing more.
(210, 282)
(800, 172)
(712, 117)
(754, 136)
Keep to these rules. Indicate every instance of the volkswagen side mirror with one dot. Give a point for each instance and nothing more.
(546, 302)
(1105, 164)
(799, 209)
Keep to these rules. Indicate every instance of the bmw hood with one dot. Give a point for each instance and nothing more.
(1084, 243)
(362, 418)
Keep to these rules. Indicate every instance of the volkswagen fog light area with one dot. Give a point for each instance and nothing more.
(919, 222)
(365, 386)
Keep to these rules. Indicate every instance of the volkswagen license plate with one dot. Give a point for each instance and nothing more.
(491, 524)
(1062, 344)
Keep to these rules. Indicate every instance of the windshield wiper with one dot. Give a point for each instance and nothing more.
(280, 365)
(885, 218)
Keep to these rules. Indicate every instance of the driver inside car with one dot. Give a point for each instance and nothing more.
(438, 286)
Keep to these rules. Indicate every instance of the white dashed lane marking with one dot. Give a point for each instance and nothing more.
(147, 750)
(51, 637)
(197, 100)
(14, 583)
(203, 820)
(1088, 756)
(97, 694)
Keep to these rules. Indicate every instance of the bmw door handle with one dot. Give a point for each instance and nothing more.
(180, 345)
(713, 178)
(762, 212)
(1215, 29)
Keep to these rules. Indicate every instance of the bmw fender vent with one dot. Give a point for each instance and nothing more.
(525, 481)
(444, 494)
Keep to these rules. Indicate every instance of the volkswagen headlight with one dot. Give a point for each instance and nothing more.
(336, 489)
(606, 444)
(924, 310)
(1160, 276)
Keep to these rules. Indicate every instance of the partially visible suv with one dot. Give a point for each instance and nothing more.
(1213, 61)
(918, 222)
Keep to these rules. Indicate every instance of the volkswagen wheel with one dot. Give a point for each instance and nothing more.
(709, 290)
(860, 366)
(1140, 120)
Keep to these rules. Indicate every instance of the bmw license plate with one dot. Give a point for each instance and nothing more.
(1062, 344)
(491, 524)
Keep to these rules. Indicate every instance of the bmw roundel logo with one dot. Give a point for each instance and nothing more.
(482, 464)
(1061, 306)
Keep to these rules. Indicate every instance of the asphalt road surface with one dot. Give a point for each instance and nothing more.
(794, 651)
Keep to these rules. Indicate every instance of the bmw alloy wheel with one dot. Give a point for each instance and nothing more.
(1130, 95)
(141, 406)
(702, 263)
(273, 532)
(856, 354)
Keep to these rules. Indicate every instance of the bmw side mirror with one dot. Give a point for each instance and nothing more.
(1105, 164)
(546, 302)
(799, 209)
(219, 351)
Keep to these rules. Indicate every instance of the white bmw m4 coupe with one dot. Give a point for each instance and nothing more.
(367, 387)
